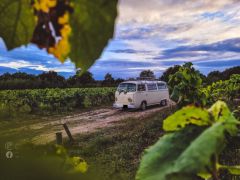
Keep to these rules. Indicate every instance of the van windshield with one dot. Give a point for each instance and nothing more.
(126, 87)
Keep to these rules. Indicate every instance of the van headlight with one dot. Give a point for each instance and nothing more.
(130, 100)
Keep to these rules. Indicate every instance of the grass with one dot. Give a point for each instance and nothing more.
(115, 153)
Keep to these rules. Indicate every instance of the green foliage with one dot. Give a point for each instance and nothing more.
(71, 164)
(43, 162)
(215, 76)
(192, 149)
(52, 79)
(80, 29)
(187, 115)
(224, 90)
(24, 101)
(17, 22)
(235, 170)
(185, 86)
(168, 72)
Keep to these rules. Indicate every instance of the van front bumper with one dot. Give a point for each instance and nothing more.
(119, 105)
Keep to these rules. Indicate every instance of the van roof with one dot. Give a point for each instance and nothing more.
(143, 82)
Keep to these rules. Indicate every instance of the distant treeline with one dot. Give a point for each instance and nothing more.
(213, 76)
(52, 79)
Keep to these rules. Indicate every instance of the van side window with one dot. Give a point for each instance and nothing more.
(141, 87)
(152, 87)
(161, 86)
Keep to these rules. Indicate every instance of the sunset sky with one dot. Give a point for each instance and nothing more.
(152, 34)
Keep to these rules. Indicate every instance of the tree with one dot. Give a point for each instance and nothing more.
(147, 74)
(213, 77)
(22, 75)
(169, 71)
(108, 80)
(227, 73)
(108, 77)
(185, 86)
(118, 81)
(81, 79)
(51, 79)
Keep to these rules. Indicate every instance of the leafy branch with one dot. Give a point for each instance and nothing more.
(190, 148)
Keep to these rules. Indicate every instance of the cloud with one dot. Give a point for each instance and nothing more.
(204, 50)
(129, 51)
(203, 21)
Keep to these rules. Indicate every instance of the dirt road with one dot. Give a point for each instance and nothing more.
(89, 122)
(41, 130)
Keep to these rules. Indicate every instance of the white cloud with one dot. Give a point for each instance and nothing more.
(184, 16)
(18, 64)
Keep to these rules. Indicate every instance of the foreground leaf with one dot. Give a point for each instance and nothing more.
(220, 112)
(92, 26)
(185, 116)
(17, 22)
(234, 170)
(75, 29)
(188, 152)
(159, 159)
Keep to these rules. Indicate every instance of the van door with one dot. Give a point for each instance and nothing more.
(141, 94)
(152, 93)
(163, 91)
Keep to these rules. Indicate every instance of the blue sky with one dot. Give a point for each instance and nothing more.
(152, 34)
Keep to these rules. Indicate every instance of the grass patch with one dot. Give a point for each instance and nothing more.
(114, 153)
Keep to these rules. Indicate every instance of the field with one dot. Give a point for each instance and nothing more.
(112, 151)
(112, 142)
(39, 101)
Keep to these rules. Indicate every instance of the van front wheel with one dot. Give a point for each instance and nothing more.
(143, 106)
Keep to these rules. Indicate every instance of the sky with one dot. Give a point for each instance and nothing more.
(152, 34)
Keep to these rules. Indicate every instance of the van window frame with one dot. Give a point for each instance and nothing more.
(145, 89)
(165, 86)
(127, 87)
(152, 89)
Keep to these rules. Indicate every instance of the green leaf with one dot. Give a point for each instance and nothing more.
(77, 164)
(187, 152)
(92, 25)
(198, 155)
(185, 116)
(81, 37)
(234, 170)
(183, 152)
(159, 159)
(17, 22)
(220, 112)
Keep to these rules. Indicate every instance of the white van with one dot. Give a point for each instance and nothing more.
(140, 94)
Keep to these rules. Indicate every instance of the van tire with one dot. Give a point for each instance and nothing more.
(143, 106)
(163, 102)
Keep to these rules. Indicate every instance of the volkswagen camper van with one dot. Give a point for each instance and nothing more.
(140, 94)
